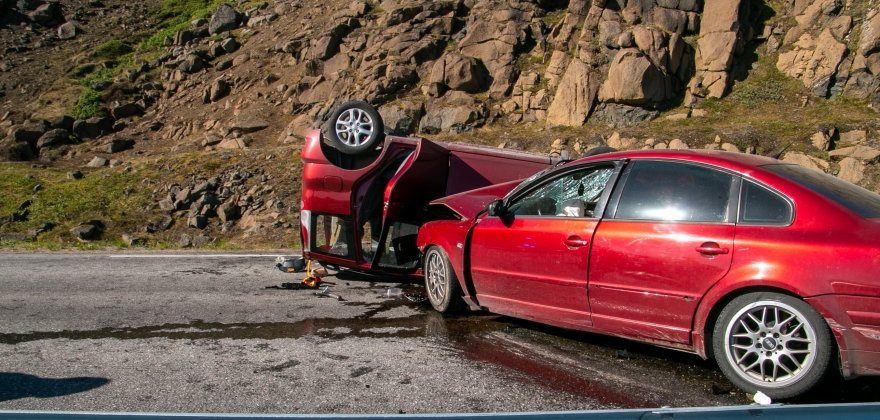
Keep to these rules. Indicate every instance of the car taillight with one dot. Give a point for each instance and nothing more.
(305, 220)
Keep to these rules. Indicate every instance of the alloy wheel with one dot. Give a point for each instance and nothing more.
(354, 127)
(770, 344)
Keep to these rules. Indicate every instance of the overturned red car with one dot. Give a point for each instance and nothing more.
(767, 267)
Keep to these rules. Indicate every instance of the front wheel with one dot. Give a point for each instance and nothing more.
(773, 343)
(441, 283)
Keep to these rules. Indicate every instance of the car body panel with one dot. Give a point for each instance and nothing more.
(647, 278)
(539, 273)
(469, 204)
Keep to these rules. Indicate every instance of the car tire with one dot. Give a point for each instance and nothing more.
(757, 352)
(355, 128)
(441, 283)
(598, 151)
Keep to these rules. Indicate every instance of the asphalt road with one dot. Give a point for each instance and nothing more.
(202, 333)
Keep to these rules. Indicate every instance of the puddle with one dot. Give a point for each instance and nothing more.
(373, 324)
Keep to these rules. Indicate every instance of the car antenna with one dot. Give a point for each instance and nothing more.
(778, 154)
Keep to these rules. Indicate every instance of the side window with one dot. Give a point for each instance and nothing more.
(673, 191)
(572, 195)
(761, 206)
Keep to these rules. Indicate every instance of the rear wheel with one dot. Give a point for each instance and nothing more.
(355, 128)
(441, 283)
(773, 343)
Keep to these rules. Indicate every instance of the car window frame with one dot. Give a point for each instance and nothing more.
(734, 193)
(791, 205)
(556, 173)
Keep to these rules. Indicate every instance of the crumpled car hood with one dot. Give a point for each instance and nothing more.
(470, 203)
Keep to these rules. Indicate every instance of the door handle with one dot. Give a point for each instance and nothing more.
(712, 249)
(575, 241)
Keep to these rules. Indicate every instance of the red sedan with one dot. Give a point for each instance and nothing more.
(767, 267)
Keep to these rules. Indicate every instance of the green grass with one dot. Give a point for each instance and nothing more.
(88, 105)
(100, 195)
(177, 15)
(112, 50)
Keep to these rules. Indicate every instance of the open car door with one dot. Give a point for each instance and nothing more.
(390, 241)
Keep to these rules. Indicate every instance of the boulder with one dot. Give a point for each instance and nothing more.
(122, 109)
(609, 33)
(813, 61)
(401, 119)
(29, 135)
(191, 64)
(53, 138)
(230, 45)
(869, 40)
(821, 141)
(633, 80)
(677, 144)
(116, 145)
(97, 162)
(44, 13)
(92, 128)
(64, 122)
(240, 143)
(67, 31)
(574, 97)
(654, 44)
(84, 232)
(715, 51)
(851, 170)
(228, 211)
(451, 120)
(225, 18)
(218, 90)
(248, 125)
(863, 153)
(458, 72)
(802, 160)
(854, 137)
(720, 16)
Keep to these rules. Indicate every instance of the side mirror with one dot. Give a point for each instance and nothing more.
(495, 208)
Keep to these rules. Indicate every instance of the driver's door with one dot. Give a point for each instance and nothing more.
(532, 261)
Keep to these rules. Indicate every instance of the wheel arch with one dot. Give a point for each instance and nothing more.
(445, 235)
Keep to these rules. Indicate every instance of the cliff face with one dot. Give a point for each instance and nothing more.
(253, 77)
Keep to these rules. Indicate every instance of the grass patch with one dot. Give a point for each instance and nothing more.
(177, 15)
(112, 50)
(108, 194)
(88, 105)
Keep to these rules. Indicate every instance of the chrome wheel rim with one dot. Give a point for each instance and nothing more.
(770, 344)
(354, 127)
(435, 281)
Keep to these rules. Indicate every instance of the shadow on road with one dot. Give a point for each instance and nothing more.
(19, 385)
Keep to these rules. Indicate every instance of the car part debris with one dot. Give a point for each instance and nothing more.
(290, 286)
(762, 399)
(416, 297)
(325, 293)
(290, 264)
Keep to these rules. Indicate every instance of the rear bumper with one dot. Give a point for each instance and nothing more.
(855, 323)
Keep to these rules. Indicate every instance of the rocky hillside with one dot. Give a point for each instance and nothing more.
(196, 109)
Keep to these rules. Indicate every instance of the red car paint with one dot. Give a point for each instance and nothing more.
(665, 282)
(340, 192)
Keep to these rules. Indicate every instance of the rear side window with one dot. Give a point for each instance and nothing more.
(760, 206)
(861, 201)
(674, 191)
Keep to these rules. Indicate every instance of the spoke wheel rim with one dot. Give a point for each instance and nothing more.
(770, 344)
(354, 127)
(435, 281)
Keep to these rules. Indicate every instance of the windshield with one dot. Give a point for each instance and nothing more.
(861, 201)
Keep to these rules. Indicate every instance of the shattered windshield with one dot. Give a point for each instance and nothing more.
(573, 195)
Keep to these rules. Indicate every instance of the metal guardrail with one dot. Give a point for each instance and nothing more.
(765, 412)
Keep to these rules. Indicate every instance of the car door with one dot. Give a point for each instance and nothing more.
(531, 262)
(667, 237)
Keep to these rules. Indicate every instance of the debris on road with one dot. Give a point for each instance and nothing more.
(326, 293)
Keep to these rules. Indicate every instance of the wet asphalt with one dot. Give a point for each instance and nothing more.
(202, 333)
